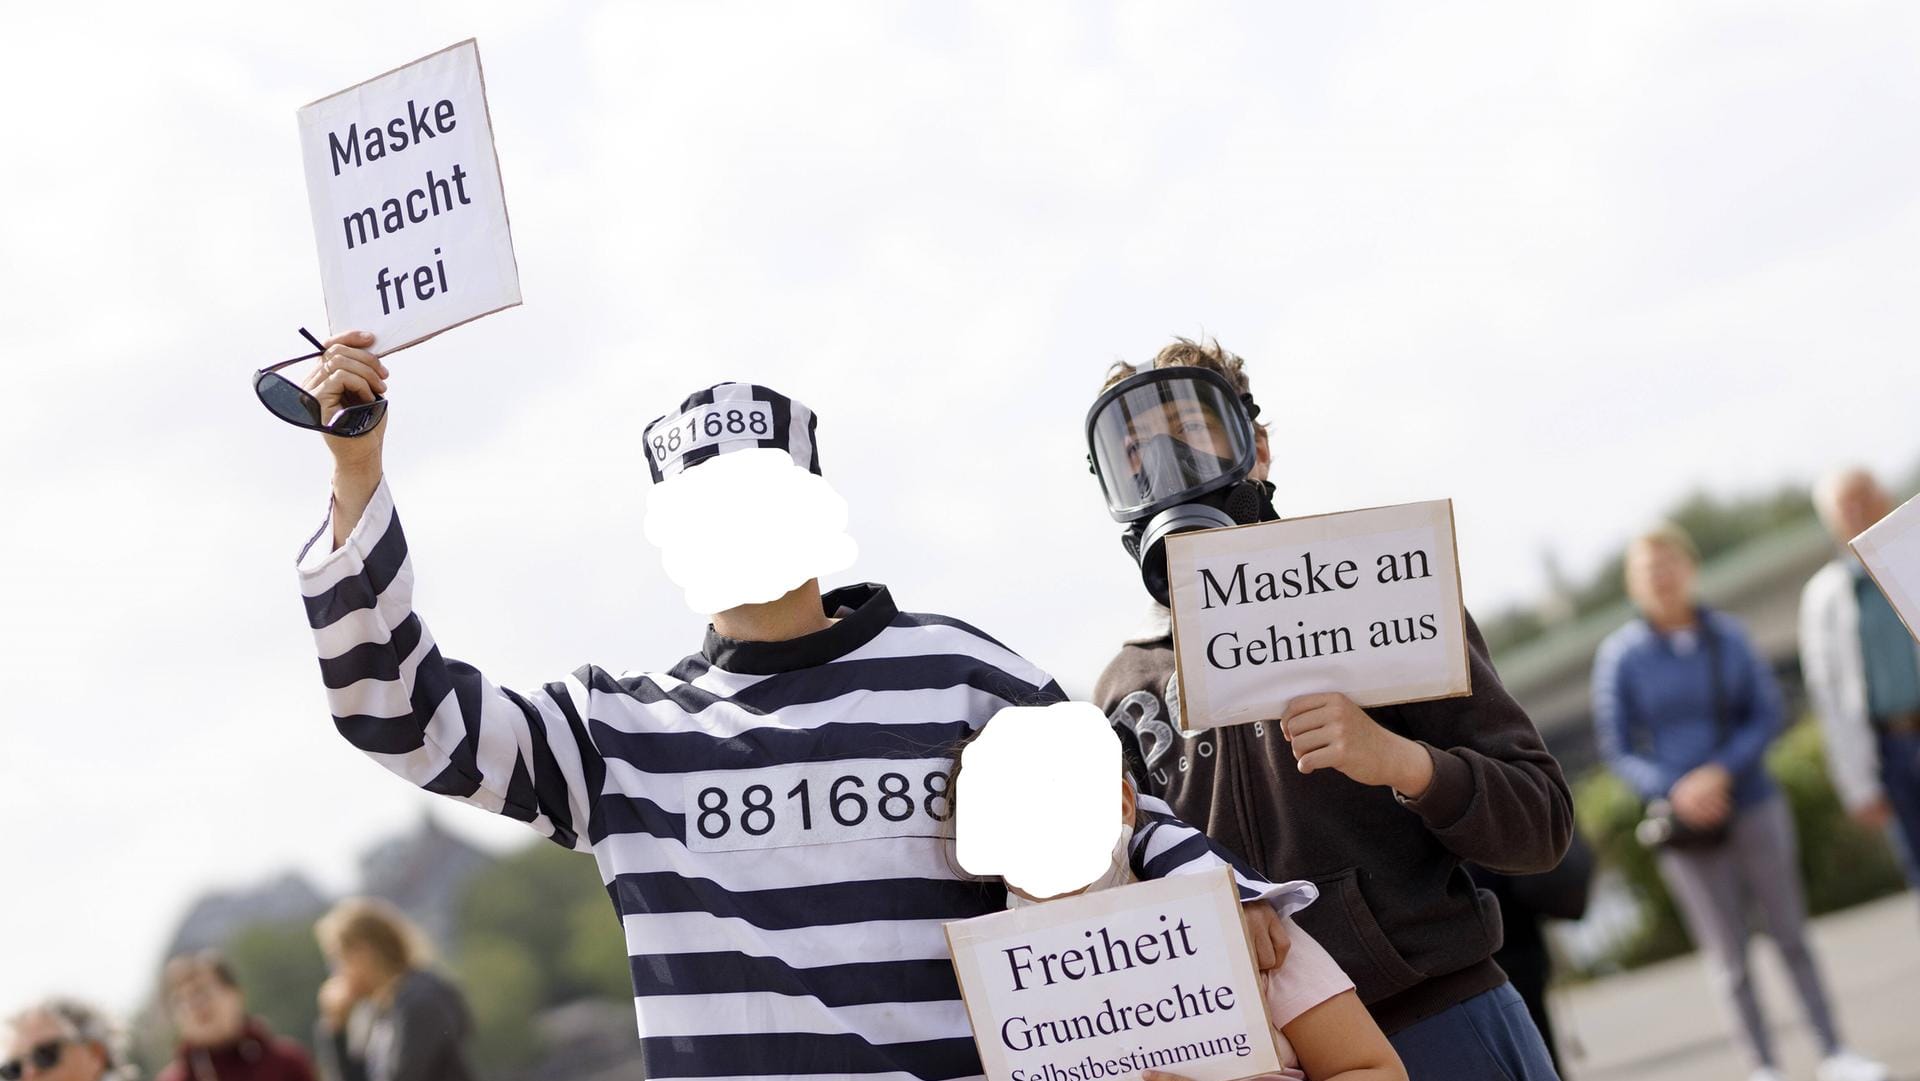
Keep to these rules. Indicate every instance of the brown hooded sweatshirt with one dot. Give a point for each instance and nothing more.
(1397, 909)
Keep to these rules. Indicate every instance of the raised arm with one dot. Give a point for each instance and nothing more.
(348, 374)
(438, 723)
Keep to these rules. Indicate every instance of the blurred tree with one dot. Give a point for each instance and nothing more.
(595, 964)
(1841, 863)
(1607, 812)
(1717, 526)
(280, 969)
(535, 930)
(553, 902)
(505, 989)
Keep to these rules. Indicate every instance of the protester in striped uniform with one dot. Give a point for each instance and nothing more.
(769, 814)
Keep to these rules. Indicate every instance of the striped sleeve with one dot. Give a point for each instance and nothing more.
(1164, 846)
(439, 723)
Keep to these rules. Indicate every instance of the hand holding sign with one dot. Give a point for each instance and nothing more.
(347, 373)
(1327, 731)
(1266, 935)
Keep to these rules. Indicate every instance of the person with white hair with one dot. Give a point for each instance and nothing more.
(1862, 669)
(63, 1039)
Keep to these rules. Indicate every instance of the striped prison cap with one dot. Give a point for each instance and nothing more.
(727, 417)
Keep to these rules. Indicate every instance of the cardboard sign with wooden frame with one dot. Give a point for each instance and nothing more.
(982, 956)
(1386, 628)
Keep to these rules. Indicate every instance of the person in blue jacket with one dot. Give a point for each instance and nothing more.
(1684, 708)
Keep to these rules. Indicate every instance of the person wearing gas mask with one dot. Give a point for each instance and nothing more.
(1378, 808)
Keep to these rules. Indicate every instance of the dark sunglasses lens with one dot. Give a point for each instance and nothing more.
(287, 401)
(358, 419)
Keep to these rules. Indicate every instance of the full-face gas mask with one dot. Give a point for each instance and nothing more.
(1172, 448)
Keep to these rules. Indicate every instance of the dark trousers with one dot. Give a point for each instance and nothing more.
(1900, 778)
(1529, 971)
(1489, 1037)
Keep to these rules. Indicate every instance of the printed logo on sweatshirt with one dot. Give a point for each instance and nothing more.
(1139, 713)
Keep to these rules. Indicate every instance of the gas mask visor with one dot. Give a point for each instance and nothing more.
(1165, 437)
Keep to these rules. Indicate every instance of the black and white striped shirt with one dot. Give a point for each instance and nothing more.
(769, 817)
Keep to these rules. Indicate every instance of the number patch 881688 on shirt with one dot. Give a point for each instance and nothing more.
(813, 803)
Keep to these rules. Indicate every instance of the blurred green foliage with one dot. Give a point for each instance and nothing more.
(535, 930)
(1716, 525)
(504, 988)
(280, 968)
(1841, 863)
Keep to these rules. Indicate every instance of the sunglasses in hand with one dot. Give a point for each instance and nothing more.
(44, 1056)
(289, 401)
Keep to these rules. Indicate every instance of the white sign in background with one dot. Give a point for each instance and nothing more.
(1891, 552)
(1365, 603)
(408, 211)
(1156, 975)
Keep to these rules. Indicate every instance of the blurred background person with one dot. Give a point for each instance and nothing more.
(1526, 903)
(63, 1039)
(383, 1015)
(1862, 669)
(219, 1041)
(1684, 709)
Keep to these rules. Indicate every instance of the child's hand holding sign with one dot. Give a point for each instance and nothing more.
(1327, 731)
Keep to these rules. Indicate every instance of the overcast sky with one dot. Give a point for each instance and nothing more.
(1562, 267)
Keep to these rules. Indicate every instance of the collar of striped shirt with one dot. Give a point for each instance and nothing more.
(863, 612)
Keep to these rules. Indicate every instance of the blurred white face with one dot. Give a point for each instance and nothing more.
(39, 1035)
(1660, 579)
(747, 528)
(1858, 504)
(1035, 804)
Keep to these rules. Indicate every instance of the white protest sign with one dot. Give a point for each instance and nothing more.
(407, 206)
(1366, 603)
(1891, 552)
(1153, 976)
